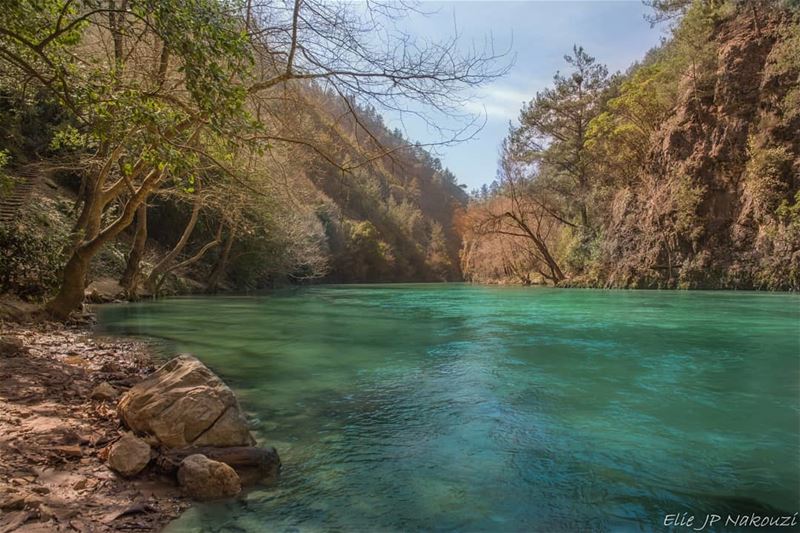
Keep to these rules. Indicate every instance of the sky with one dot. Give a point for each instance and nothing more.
(538, 34)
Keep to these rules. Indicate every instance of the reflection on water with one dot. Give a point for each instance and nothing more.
(468, 408)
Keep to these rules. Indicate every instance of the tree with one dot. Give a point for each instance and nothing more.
(619, 137)
(551, 140)
(547, 174)
(517, 213)
(436, 255)
(158, 91)
(664, 10)
(136, 123)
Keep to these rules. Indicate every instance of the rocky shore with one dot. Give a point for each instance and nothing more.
(94, 437)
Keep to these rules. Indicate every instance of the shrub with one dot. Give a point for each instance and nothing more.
(765, 178)
(29, 261)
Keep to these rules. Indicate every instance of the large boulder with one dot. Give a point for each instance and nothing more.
(204, 479)
(103, 290)
(129, 455)
(182, 404)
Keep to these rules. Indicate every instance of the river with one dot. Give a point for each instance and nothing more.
(472, 408)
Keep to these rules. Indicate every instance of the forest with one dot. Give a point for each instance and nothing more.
(683, 172)
(172, 147)
(161, 152)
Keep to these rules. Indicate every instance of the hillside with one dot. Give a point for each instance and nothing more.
(683, 172)
(360, 204)
(222, 146)
(389, 220)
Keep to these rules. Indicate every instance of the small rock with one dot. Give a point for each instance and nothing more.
(68, 451)
(129, 455)
(79, 485)
(105, 391)
(204, 479)
(11, 347)
(12, 502)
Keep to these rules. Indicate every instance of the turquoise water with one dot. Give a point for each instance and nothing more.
(470, 408)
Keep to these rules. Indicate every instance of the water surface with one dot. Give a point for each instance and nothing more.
(469, 408)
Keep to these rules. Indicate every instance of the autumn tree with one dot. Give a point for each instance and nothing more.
(516, 211)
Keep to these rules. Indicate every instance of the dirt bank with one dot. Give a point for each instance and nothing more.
(54, 437)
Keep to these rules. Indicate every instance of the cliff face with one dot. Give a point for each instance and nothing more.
(728, 161)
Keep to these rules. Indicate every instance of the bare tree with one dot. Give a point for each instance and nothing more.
(517, 213)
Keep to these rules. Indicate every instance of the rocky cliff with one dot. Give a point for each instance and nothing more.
(720, 206)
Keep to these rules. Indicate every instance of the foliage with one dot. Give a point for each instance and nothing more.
(6, 183)
(778, 248)
(160, 99)
(31, 254)
(764, 178)
(664, 189)
(619, 137)
(28, 263)
(785, 64)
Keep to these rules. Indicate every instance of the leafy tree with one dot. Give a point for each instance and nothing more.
(134, 131)
(619, 138)
(551, 140)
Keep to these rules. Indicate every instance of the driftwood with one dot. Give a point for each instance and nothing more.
(253, 464)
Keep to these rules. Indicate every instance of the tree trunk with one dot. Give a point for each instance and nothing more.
(222, 263)
(556, 273)
(195, 258)
(164, 265)
(251, 463)
(130, 278)
(88, 223)
(73, 278)
(755, 18)
(70, 294)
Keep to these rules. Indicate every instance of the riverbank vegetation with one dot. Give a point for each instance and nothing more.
(236, 140)
(163, 147)
(683, 172)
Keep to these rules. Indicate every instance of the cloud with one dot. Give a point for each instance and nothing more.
(501, 102)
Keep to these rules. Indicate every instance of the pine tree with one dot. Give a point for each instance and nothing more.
(552, 137)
